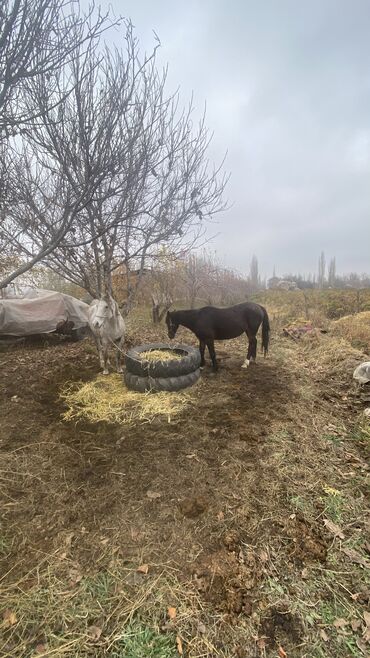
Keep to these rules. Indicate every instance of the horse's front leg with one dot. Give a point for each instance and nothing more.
(202, 347)
(99, 347)
(212, 353)
(119, 346)
(105, 356)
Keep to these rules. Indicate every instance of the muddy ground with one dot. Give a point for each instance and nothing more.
(228, 507)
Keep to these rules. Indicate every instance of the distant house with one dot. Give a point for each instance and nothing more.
(275, 283)
(287, 285)
(124, 280)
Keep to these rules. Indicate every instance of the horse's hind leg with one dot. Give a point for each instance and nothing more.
(252, 350)
(202, 347)
(212, 353)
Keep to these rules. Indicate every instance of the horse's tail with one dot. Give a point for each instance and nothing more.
(265, 331)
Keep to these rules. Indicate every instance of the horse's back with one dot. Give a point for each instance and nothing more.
(238, 310)
(230, 322)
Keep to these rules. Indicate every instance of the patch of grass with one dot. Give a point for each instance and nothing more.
(361, 435)
(99, 587)
(63, 616)
(333, 438)
(139, 641)
(301, 504)
(333, 503)
(279, 436)
(4, 545)
(274, 587)
(330, 612)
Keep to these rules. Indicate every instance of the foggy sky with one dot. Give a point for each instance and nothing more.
(287, 87)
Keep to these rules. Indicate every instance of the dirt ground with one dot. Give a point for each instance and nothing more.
(246, 514)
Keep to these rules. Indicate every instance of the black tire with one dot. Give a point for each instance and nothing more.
(189, 362)
(78, 334)
(156, 384)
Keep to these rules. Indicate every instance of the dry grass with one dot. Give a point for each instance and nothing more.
(228, 506)
(160, 355)
(113, 613)
(315, 305)
(107, 399)
(355, 329)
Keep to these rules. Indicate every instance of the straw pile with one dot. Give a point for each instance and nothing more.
(356, 329)
(160, 355)
(108, 399)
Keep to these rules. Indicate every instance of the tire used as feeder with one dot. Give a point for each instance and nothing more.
(169, 384)
(162, 375)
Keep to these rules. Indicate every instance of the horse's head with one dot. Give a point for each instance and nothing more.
(172, 325)
(103, 310)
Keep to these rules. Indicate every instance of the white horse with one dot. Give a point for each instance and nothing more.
(108, 328)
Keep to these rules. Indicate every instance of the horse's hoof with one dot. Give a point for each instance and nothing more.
(120, 371)
(245, 364)
(105, 372)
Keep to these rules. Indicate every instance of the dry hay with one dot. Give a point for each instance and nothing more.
(331, 357)
(160, 355)
(330, 350)
(108, 399)
(355, 328)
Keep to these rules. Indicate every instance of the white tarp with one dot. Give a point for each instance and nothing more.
(40, 312)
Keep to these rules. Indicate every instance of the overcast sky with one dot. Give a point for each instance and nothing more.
(287, 87)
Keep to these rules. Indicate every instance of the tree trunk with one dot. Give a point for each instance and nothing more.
(306, 310)
(155, 310)
(159, 309)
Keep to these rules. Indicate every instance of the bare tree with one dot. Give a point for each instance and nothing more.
(109, 171)
(164, 283)
(53, 179)
(162, 188)
(193, 277)
(254, 279)
(190, 280)
(332, 273)
(37, 37)
(322, 270)
(40, 40)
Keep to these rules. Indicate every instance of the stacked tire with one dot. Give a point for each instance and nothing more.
(170, 375)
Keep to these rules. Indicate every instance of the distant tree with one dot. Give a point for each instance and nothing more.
(321, 271)
(332, 273)
(254, 278)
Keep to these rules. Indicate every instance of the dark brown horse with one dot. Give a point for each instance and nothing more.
(210, 324)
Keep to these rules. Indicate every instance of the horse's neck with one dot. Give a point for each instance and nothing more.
(186, 318)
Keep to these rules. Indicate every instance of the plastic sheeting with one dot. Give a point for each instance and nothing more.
(41, 312)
